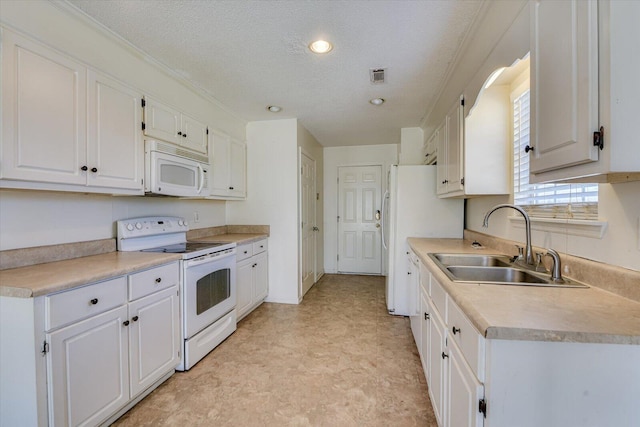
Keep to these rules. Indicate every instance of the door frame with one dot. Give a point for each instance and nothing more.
(383, 187)
(304, 152)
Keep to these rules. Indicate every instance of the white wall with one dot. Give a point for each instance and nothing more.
(335, 157)
(272, 198)
(411, 142)
(39, 218)
(311, 147)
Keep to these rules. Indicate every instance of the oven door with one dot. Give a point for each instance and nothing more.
(176, 176)
(209, 290)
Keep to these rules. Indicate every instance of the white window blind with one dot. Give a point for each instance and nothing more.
(575, 201)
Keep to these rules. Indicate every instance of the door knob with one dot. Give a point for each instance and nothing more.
(377, 225)
(378, 215)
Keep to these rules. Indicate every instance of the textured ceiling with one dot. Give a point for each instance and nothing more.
(250, 54)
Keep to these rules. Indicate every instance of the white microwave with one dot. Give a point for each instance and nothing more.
(174, 171)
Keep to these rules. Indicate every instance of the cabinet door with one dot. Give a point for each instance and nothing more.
(161, 121)
(220, 163)
(44, 114)
(244, 288)
(238, 169)
(194, 134)
(441, 167)
(414, 303)
(114, 135)
(425, 347)
(88, 370)
(260, 277)
(455, 144)
(438, 368)
(464, 392)
(564, 83)
(154, 338)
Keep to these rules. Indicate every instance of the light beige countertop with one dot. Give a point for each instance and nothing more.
(238, 238)
(534, 313)
(42, 279)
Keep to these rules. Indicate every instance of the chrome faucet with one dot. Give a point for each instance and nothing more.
(528, 255)
(556, 271)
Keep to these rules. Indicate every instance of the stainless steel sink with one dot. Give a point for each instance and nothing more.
(476, 260)
(494, 269)
(494, 275)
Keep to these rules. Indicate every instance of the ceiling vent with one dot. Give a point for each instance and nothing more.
(377, 75)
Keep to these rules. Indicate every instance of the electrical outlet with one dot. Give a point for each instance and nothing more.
(196, 217)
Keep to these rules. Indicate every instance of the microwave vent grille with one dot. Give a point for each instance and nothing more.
(188, 154)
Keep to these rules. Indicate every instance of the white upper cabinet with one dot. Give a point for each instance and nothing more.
(564, 83)
(114, 139)
(473, 152)
(168, 124)
(43, 113)
(228, 158)
(65, 126)
(584, 76)
(450, 146)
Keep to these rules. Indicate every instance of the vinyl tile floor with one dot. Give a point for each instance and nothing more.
(336, 359)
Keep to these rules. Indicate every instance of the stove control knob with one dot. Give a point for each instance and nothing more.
(185, 223)
(138, 226)
(180, 222)
(130, 227)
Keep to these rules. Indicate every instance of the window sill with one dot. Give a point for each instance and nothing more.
(573, 227)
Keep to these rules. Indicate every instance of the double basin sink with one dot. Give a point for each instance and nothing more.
(494, 269)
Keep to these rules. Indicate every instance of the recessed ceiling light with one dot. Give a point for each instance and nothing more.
(377, 101)
(274, 108)
(320, 46)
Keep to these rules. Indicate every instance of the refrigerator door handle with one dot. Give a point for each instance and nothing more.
(384, 203)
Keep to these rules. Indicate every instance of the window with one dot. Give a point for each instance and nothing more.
(573, 201)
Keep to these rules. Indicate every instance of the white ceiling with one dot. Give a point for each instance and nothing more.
(250, 54)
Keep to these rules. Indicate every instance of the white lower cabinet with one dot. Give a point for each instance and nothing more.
(88, 369)
(479, 382)
(154, 337)
(465, 392)
(454, 388)
(413, 278)
(104, 346)
(252, 276)
(438, 368)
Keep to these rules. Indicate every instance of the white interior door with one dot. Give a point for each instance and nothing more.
(359, 204)
(307, 222)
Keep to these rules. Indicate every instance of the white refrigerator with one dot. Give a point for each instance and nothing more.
(411, 208)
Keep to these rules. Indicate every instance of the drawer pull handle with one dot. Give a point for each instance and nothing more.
(426, 316)
(158, 280)
(246, 252)
(93, 301)
(134, 318)
(444, 355)
(125, 323)
(455, 330)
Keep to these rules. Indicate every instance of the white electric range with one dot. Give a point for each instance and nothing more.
(207, 280)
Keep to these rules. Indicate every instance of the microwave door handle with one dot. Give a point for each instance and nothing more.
(201, 179)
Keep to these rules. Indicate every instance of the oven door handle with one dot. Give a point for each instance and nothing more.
(208, 258)
(201, 179)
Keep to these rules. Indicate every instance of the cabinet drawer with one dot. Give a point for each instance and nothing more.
(439, 297)
(70, 306)
(468, 339)
(259, 246)
(244, 252)
(152, 280)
